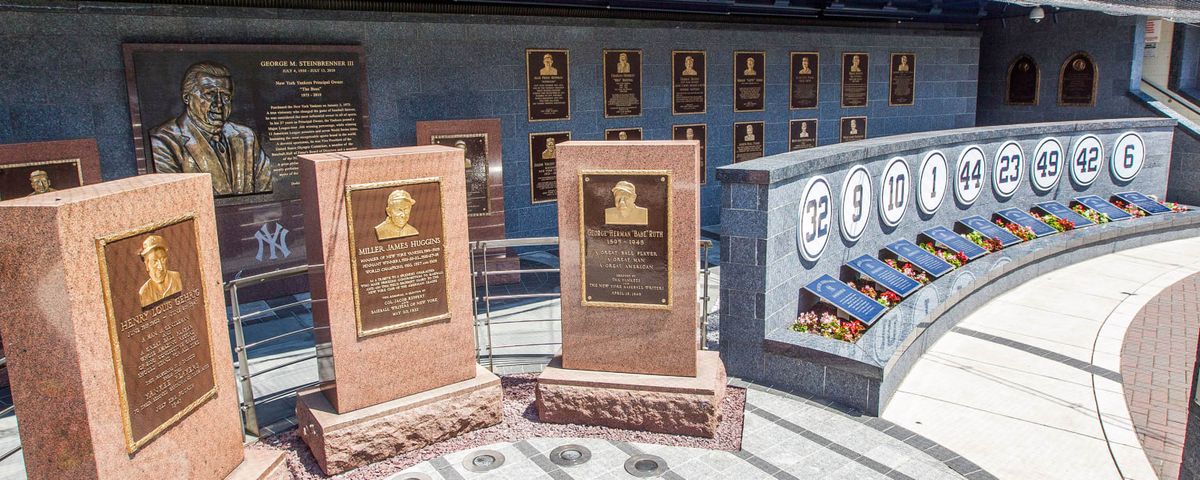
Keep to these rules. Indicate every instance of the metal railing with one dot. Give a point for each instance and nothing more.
(5, 411)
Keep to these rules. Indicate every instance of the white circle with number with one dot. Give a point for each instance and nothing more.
(931, 185)
(1087, 160)
(816, 207)
(893, 191)
(968, 175)
(1007, 169)
(1047, 164)
(1128, 156)
(856, 203)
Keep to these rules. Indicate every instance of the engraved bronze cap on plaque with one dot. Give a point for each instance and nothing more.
(625, 238)
(155, 302)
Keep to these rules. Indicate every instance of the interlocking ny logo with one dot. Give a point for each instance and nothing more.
(277, 241)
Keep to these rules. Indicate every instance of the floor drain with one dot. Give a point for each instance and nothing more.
(645, 466)
(569, 455)
(483, 461)
(414, 476)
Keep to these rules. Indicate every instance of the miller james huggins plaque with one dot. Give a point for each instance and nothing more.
(622, 83)
(689, 81)
(475, 151)
(625, 236)
(548, 84)
(543, 165)
(855, 70)
(749, 81)
(806, 79)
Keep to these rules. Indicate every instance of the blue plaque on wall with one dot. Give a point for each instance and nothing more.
(926, 261)
(838, 294)
(990, 230)
(1143, 202)
(1063, 213)
(1101, 205)
(955, 242)
(882, 274)
(1024, 219)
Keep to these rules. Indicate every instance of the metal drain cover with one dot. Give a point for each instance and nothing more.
(570, 455)
(483, 461)
(645, 466)
(413, 476)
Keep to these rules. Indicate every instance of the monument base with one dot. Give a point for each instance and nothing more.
(653, 403)
(261, 465)
(345, 441)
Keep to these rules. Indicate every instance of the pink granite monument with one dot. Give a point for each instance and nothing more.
(116, 334)
(397, 358)
(628, 222)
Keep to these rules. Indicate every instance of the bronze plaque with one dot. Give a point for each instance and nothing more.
(625, 235)
(622, 83)
(1024, 82)
(154, 297)
(802, 134)
(903, 81)
(749, 81)
(855, 69)
(623, 134)
(689, 81)
(806, 79)
(26, 179)
(1077, 81)
(748, 141)
(548, 84)
(853, 128)
(543, 165)
(475, 150)
(397, 254)
(696, 131)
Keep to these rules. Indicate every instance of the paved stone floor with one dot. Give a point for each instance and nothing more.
(1029, 385)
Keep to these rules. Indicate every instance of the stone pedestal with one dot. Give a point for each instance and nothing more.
(392, 303)
(341, 442)
(84, 316)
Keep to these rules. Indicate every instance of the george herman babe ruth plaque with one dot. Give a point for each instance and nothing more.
(626, 238)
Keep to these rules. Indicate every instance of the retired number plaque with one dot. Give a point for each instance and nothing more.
(397, 254)
(625, 236)
(155, 303)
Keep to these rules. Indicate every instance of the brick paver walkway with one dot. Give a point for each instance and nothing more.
(1157, 358)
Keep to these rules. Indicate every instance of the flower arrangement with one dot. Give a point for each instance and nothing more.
(884, 296)
(989, 244)
(1024, 233)
(823, 320)
(1053, 221)
(909, 270)
(1175, 207)
(957, 259)
(1094, 216)
(1129, 208)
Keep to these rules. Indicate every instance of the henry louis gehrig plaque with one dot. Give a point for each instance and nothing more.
(806, 74)
(35, 178)
(155, 302)
(548, 84)
(622, 83)
(397, 254)
(903, 81)
(625, 231)
(689, 79)
(854, 79)
(475, 150)
(749, 81)
(543, 165)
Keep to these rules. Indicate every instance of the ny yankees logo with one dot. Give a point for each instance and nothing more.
(276, 240)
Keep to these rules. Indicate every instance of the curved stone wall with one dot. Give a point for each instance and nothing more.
(772, 249)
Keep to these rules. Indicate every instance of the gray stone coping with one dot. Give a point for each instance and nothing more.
(894, 335)
(785, 166)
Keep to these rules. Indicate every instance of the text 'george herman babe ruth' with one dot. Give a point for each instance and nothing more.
(203, 140)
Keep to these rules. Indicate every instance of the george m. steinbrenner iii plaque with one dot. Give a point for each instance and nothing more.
(625, 230)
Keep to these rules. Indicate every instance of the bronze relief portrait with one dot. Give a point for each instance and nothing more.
(399, 211)
(162, 282)
(625, 210)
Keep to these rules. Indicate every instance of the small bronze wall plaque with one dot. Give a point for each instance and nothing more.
(1024, 82)
(154, 296)
(26, 179)
(748, 141)
(1077, 81)
(903, 81)
(853, 128)
(625, 235)
(543, 165)
(855, 78)
(749, 81)
(806, 80)
(397, 254)
(695, 131)
(623, 134)
(689, 82)
(475, 150)
(548, 84)
(802, 134)
(622, 83)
